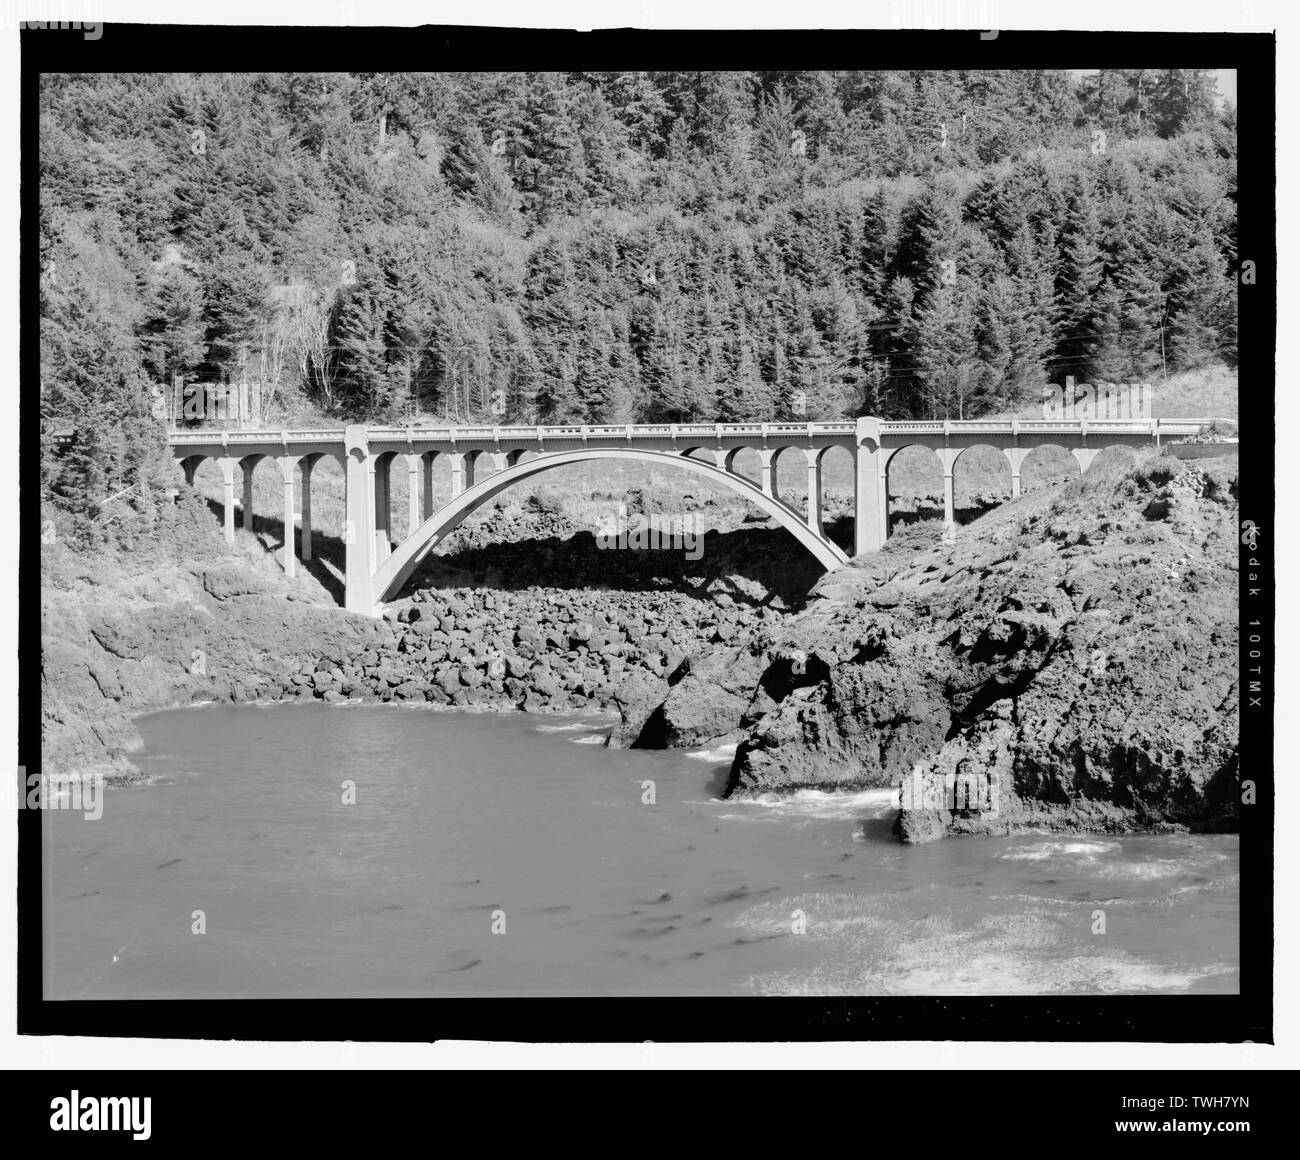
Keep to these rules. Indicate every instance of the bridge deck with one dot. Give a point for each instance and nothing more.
(677, 433)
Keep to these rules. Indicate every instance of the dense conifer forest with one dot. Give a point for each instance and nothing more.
(615, 247)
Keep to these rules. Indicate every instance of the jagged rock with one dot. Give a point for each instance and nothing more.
(637, 698)
(233, 580)
(1101, 690)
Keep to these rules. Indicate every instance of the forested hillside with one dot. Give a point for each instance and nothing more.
(616, 246)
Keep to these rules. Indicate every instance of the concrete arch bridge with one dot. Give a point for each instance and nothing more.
(376, 568)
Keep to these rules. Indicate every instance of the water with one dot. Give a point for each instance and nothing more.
(464, 822)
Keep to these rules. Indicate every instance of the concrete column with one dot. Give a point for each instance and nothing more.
(413, 520)
(498, 461)
(248, 466)
(457, 472)
(1084, 456)
(358, 529)
(383, 525)
(814, 489)
(882, 492)
(471, 459)
(228, 502)
(1015, 456)
(948, 457)
(288, 465)
(426, 484)
(307, 464)
(768, 469)
(868, 483)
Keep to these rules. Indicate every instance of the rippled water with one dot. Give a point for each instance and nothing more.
(496, 854)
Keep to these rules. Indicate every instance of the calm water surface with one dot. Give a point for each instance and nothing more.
(464, 822)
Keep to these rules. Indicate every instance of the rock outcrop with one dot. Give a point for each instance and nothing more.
(1081, 644)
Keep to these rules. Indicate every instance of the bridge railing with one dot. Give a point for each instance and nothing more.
(1045, 426)
(214, 435)
(678, 431)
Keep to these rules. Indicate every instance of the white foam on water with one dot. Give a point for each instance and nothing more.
(714, 756)
(865, 946)
(589, 739)
(1072, 851)
(573, 727)
(816, 803)
(1158, 868)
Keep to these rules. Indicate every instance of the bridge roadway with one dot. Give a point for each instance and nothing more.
(376, 568)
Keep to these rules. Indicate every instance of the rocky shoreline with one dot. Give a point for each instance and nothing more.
(1078, 656)
(1077, 648)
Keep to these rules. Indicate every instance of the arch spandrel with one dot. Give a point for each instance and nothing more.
(397, 569)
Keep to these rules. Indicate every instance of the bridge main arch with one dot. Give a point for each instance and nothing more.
(396, 570)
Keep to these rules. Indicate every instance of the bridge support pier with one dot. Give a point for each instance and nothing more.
(457, 473)
(358, 529)
(814, 489)
(426, 484)
(307, 464)
(868, 488)
(1015, 456)
(228, 501)
(948, 457)
(381, 467)
(1084, 456)
(288, 465)
(413, 521)
(768, 471)
(246, 519)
